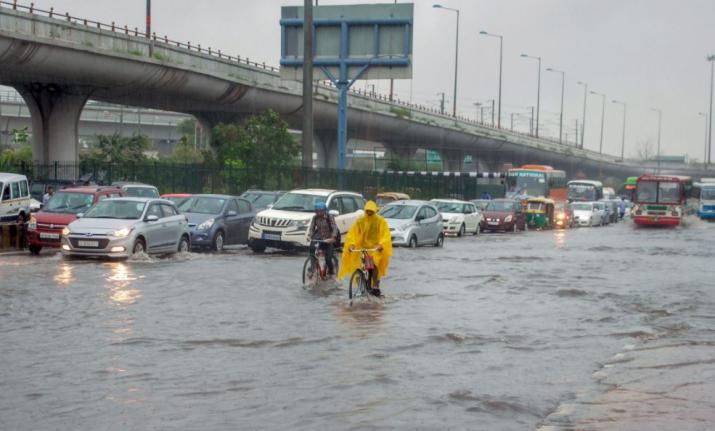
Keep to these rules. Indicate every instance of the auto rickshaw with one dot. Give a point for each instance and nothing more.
(385, 198)
(563, 215)
(540, 213)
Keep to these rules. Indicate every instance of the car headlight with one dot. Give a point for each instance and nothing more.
(561, 216)
(32, 224)
(403, 227)
(66, 231)
(300, 224)
(122, 233)
(507, 219)
(206, 225)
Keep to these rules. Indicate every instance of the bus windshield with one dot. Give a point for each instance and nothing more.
(527, 183)
(668, 193)
(582, 192)
(707, 194)
(662, 192)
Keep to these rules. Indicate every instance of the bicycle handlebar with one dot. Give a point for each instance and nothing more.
(364, 250)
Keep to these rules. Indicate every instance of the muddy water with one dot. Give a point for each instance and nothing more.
(603, 328)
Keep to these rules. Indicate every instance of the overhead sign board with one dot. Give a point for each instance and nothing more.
(373, 41)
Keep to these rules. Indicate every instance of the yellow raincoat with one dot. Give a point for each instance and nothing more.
(367, 232)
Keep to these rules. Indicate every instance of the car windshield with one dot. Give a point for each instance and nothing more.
(481, 204)
(399, 212)
(127, 210)
(600, 206)
(498, 206)
(142, 192)
(262, 201)
(69, 202)
(381, 202)
(202, 205)
(707, 194)
(582, 192)
(537, 206)
(582, 207)
(450, 207)
(298, 202)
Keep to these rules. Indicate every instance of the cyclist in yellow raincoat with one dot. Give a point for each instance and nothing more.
(369, 231)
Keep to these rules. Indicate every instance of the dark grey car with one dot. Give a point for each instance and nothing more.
(217, 220)
(261, 199)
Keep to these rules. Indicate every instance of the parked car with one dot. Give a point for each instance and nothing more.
(503, 215)
(563, 215)
(177, 198)
(386, 198)
(38, 188)
(285, 225)
(414, 223)
(217, 220)
(45, 227)
(137, 190)
(587, 214)
(14, 198)
(605, 208)
(121, 227)
(260, 199)
(459, 217)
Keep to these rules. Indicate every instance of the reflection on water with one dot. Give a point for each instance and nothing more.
(560, 238)
(119, 282)
(363, 318)
(64, 274)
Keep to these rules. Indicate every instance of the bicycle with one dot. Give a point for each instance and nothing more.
(315, 267)
(364, 278)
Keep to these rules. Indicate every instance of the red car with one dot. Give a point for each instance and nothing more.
(45, 227)
(503, 215)
(177, 198)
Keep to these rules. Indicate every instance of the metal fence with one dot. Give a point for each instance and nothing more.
(204, 178)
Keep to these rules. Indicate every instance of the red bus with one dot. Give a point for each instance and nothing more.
(660, 200)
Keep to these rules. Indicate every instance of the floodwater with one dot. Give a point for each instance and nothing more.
(598, 328)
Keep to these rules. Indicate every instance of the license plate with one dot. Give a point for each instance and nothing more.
(493, 223)
(88, 243)
(271, 237)
(46, 235)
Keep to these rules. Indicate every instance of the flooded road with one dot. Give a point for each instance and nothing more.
(600, 328)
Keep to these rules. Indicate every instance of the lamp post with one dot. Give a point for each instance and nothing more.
(623, 134)
(456, 56)
(148, 19)
(711, 59)
(660, 122)
(705, 151)
(603, 117)
(501, 52)
(583, 119)
(561, 114)
(538, 92)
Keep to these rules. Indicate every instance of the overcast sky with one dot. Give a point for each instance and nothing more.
(647, 53)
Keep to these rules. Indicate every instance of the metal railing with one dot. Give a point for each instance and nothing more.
(218, 54)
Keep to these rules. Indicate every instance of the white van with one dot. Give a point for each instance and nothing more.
(14, 197)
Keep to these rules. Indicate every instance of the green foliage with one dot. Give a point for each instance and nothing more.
(15, 156)
(184, 152)
(117, 149)
(136, 52)
(261, 140)
(158, 56)
(401, 112)
(21, 136)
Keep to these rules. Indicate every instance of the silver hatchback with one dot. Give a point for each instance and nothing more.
(414, 223)
(121, 227)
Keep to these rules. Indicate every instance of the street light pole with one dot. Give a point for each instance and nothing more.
(603, 117)
(623, 135)
(561, 114)
(307, 137)
(711, 59)
(148, 19)
(660, 121)
(583, 119)
(456, 57)
(538, 92)
(501, 56)
(705, 152)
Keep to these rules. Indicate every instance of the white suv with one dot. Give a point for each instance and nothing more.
(285, 225)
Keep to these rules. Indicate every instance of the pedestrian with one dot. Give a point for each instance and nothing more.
(622, 207)
(48, 195)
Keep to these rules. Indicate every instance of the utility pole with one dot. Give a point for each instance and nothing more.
(576, 135)
(711, 59)
(441, 103)
(531, 122)
(307, 84)
(583, 121)
(660, 121)
(392, 81)
(705, 147)
(512, 122)
(492, 112)
(148, 19)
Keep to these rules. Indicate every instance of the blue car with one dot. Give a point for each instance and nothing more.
(217, 220)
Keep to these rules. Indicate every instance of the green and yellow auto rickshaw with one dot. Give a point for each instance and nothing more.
(540, 213)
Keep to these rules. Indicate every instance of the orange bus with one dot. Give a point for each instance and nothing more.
(534, 181)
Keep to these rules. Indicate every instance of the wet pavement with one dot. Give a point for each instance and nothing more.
(599, 328)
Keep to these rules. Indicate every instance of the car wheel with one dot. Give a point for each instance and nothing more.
(139, 246)
(461, 231)
(440, 240)
(413, 242)
(183, 245)
(257, 248)
(218, 241)
(35, 249)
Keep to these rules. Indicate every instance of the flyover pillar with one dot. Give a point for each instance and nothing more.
(54, 112)
(325, 144)
(403, 157)
(452, 160)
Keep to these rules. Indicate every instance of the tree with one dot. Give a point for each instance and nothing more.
(14, 156)
(184, 152)
(117, 149)
(260, 141)
(187, 129)
(645, 151)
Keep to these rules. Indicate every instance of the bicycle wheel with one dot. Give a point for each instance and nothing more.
(310, 273)
(358, 285)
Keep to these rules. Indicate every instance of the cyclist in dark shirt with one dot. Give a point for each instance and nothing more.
(323, 228)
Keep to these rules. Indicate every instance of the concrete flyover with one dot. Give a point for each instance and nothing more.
(57, 63)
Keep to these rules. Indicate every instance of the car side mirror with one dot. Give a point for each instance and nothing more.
(231, 213)
(334, 213)
(419, 219)
(79, 215)
(151, 218)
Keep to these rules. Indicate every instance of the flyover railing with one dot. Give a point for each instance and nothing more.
(218, 54)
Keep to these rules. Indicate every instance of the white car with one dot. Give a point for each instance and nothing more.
(458, 217)
(587, 214)
(285, 225)
(14, 197)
